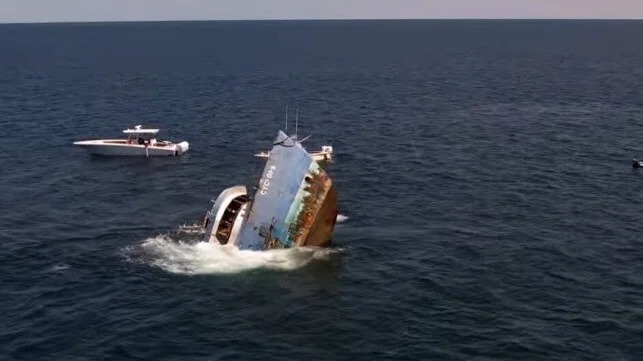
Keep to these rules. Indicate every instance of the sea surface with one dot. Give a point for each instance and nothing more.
(489, 210)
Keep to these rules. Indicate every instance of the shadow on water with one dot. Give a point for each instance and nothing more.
(137, 160)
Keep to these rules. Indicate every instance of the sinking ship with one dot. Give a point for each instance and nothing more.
(294, 204)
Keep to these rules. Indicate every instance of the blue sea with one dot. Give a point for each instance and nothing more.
(489, 210)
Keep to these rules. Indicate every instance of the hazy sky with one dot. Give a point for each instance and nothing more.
(126, 10)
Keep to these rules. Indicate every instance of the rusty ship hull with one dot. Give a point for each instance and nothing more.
(293, 205)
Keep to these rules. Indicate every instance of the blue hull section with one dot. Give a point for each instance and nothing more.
(290, 193)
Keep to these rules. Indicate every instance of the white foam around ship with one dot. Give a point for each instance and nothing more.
(182, 253)
(211, 258)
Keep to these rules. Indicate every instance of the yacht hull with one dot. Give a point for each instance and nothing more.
(119, 149)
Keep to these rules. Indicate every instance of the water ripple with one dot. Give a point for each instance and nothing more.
(483, 166)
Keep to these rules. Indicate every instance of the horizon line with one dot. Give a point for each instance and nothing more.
(313, 19)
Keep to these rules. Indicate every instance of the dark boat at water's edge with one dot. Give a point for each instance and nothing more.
(295, 204)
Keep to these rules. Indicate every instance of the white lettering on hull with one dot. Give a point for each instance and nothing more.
(265, 184)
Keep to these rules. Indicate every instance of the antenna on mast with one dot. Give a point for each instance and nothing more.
(286, 118)
(296, 121)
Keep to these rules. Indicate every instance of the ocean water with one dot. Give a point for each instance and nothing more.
(489, 208)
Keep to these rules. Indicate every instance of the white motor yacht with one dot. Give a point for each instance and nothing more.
(139, 142)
